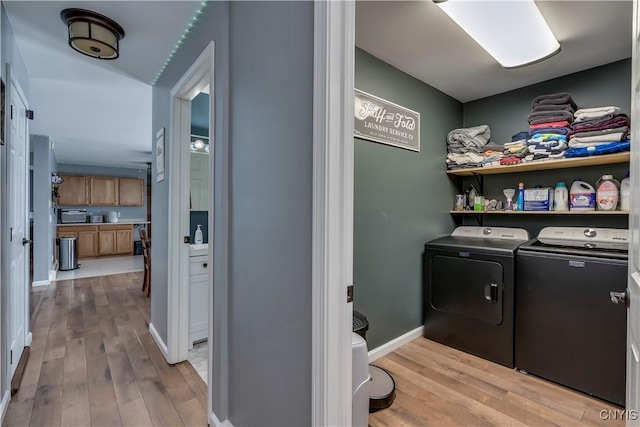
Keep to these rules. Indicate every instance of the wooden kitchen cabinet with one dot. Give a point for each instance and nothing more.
(73, 191)
(130, 192)
(115, 240)
(103, 191)
(86, 239)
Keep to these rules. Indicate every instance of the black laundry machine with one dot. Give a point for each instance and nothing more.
(567, 328)
(469, 290)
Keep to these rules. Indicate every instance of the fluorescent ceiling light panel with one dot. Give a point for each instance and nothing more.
(514, 32)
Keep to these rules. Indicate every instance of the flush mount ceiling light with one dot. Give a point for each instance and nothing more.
(514, 32)
(93, 34)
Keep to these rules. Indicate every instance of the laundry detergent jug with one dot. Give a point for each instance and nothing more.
(582, 196)
(561, 197)
(607, 193)
(625, 193)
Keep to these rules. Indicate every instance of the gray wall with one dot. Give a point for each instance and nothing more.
(506, 114)
(9, 55)
(44, 218)
(266, 109)
(126, 212)
(402, 199)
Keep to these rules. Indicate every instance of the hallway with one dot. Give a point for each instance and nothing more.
(93, 362)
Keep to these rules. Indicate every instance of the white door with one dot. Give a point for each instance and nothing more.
(18, 187)
(633, 318)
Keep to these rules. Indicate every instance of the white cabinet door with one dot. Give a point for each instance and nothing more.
(198, 298)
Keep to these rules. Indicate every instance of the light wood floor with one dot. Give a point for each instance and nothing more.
(440, 386)
(94, 363)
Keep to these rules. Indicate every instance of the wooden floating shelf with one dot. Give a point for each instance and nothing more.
(539, 212)
(605, 159)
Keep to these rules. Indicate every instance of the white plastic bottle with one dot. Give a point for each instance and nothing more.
(198, 236)
(625, 193)
(607, 193)
(561, 197)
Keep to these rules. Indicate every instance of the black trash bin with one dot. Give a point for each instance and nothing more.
(137, 247)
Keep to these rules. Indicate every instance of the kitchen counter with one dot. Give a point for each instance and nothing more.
(120, 222)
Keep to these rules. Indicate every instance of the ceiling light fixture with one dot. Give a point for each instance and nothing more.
(93, 34)
(514, 32)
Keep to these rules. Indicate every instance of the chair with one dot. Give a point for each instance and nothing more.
(146, 253)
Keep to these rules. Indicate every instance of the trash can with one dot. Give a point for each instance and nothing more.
(68, 253)
(137, 247)
(360, 324)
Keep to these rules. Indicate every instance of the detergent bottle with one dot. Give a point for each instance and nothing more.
(625, 193)
(561, 197)
(582, 196)
(607, 193)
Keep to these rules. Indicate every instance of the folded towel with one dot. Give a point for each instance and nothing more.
(613, 147)
(601, 132)
(511, 160)
(542, 137)
(549, 116)
(550, 124)
(551, 145)
(560, 131)
(520, 135)
(592, 113)
(598, 124)
(554, 99)
(492, 146)
(474, 137)
(554, 107)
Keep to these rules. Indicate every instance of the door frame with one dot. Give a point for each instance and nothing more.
(333, 170)
(6, 189)
(200, 74)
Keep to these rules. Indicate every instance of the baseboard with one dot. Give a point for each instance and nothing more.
(387, 348)
(214, 421)
(37, 283)
(29, 339)
(161, 345)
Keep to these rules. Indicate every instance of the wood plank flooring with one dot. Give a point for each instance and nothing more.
(440, 386)
(94, 363)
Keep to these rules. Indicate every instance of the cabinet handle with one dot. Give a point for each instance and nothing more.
(204, 264)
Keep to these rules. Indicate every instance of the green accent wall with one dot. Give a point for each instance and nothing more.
(401, 201)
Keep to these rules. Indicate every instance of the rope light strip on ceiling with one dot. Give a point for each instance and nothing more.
(182, 38)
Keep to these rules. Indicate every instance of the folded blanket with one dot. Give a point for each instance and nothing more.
(560, 131)
(463, 159)
(592, 113)
(548, 146)
(597, 139)
(554, 107)
(613, 147)
(473, 137)
(601, 132)
(550, 124)
(554, 99)
(598, 124)
(511, 160)
(549, 116)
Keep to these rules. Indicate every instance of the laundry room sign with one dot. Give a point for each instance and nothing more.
(379, 120)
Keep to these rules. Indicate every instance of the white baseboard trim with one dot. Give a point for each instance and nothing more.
(161, 345)
(387, 348)
(4, 405)
(214, 421)
(29, 339)
(37, 283)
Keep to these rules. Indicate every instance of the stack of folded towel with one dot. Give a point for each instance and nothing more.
(516, 150)
(466, 146)
(549, 125)
(599, 130)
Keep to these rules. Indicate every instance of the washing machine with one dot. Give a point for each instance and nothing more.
(568, 329)
(469, 290)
